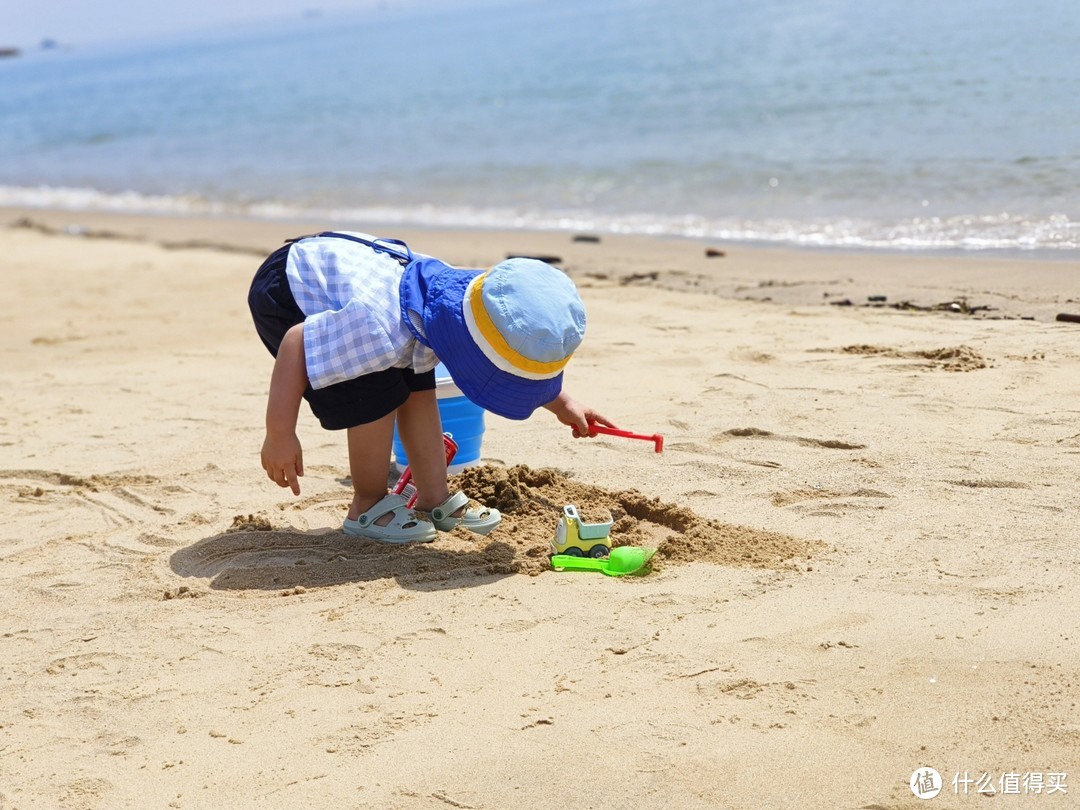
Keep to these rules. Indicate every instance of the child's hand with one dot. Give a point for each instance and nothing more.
(571, 412)
(283, 460)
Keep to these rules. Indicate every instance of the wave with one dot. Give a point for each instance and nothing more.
(1055, 234)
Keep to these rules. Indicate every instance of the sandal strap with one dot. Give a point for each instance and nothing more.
(446, 509)
(388, 504)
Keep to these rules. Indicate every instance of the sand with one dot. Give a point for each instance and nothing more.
(865, 515)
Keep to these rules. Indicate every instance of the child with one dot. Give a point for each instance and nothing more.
(358, 324)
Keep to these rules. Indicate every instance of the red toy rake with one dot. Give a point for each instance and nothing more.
(656, 438)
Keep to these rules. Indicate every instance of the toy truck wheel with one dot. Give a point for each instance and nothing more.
(599, 551)
(573, 552)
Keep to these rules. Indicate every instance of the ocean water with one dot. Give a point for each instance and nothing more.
(915, 125)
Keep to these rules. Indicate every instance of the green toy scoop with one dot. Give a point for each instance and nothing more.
(622, 560)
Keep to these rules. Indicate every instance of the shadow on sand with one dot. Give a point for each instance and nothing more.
(281, 559)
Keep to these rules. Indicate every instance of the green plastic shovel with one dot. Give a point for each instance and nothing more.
(622, 560)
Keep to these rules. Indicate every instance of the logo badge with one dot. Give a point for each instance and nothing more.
(925, 783)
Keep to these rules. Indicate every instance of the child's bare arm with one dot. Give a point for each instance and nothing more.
(282, 455)
(571, 412)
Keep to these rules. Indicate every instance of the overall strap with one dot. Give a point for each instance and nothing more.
(387, 246)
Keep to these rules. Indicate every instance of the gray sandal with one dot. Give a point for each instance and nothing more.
(480, 521)
(406, 525)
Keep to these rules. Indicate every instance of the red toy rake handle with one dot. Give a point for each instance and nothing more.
(406, 475)
(656, 438)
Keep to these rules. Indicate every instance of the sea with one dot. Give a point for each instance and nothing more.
(921, 125)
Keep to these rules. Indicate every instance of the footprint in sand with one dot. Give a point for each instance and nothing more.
(988, 483)
(758, 433)
(802, 495)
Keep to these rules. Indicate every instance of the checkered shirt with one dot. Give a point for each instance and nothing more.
(349, 295)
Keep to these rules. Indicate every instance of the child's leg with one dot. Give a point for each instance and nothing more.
(421, 433)
(369, 464)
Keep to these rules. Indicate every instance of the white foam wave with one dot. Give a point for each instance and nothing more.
(1054, 233)
(88, 199)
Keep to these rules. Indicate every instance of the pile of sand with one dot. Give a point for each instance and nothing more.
(532, 501)
(950, 358)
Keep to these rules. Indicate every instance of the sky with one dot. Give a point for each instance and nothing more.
(25, 23)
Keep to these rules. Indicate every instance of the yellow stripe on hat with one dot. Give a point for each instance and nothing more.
(498, 343)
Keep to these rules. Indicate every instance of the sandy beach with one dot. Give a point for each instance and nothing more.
(866, 516)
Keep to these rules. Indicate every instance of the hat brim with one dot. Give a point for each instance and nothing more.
(491, 388)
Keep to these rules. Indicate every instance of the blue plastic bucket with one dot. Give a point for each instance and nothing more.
(461, 418)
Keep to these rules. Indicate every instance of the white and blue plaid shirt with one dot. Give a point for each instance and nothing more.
(349, 295)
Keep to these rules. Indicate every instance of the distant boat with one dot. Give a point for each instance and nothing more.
(6, 52)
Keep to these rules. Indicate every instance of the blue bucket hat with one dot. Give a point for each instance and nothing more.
(505, 335)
